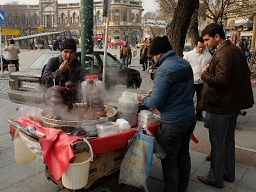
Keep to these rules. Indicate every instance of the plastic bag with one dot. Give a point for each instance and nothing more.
(137, 163)
(158, 149)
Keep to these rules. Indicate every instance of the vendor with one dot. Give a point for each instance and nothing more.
(172, 95)
(63, 68)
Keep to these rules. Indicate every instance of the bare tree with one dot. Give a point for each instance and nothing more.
(178, 27)
(215, 9)
(167, 8)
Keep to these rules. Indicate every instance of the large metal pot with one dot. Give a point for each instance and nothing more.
(71, 126)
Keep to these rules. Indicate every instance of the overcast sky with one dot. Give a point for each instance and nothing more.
(148, 5)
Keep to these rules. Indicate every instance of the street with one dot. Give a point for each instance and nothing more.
(31, 178)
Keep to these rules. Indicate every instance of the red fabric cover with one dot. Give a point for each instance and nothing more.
(55, 146)
(116, 141)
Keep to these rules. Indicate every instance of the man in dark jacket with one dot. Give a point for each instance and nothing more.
(64, 68)
(226, 91)
(172, 95)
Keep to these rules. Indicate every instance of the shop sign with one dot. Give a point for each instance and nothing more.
(246, 33)
(155, 23)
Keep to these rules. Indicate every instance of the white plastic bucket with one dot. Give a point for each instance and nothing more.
(77, 173)
(22, 153)
(11, 68)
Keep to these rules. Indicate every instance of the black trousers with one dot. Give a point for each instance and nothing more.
(16, 62)
(175, 138)
(197, 90)
(222, 138)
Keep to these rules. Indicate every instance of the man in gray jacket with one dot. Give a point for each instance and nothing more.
(13, 54)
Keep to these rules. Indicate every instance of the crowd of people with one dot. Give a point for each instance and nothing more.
(223, 87)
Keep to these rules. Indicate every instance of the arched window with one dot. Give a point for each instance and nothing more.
(133, 17)
(116, 15)
(125, 16)
(116, 33)
(62, 18)
(74, 18)
(137, 18)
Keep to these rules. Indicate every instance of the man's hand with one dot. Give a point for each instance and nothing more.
(205, 68)
(141, 97)
(65, 65)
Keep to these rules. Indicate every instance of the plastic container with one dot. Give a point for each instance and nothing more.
(146, 117)
(22, 153)
(128, 106)
(105, 129)
(123, 125)
(90, 85)
(29, 111)
(77, 173)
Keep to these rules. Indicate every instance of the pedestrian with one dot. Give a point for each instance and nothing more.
(42, 43)
(57, 44)
(64, 68)
(244, 45)
(143, 56)
(172, 96)
(227, 90)
(149, 56)
(13, 54)
(198, 58)
(125, 54)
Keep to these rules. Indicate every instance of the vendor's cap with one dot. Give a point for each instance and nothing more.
(160, 45)
(69, 44)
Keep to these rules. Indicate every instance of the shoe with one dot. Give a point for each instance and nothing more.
(208, 158)
(200, 118)
(206, 181)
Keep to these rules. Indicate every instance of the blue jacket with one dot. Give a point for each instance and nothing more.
(173, 89)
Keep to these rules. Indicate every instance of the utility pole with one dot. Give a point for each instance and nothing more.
(86, 28)
(253, 31)
(106, 8)
(221, 14)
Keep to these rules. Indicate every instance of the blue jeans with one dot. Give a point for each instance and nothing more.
(222, 138)
(125, 61)
(174, 138)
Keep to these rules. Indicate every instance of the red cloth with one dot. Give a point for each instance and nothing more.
(55, 146)
(193, 138)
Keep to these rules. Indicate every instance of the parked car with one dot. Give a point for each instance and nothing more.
(187, 48)
(25, 85)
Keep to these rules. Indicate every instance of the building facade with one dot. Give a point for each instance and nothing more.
(49, 16)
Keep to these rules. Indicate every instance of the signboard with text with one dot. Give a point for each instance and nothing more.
(155, 23)
(7, 31)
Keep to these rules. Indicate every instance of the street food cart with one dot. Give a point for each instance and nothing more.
(59, 149)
